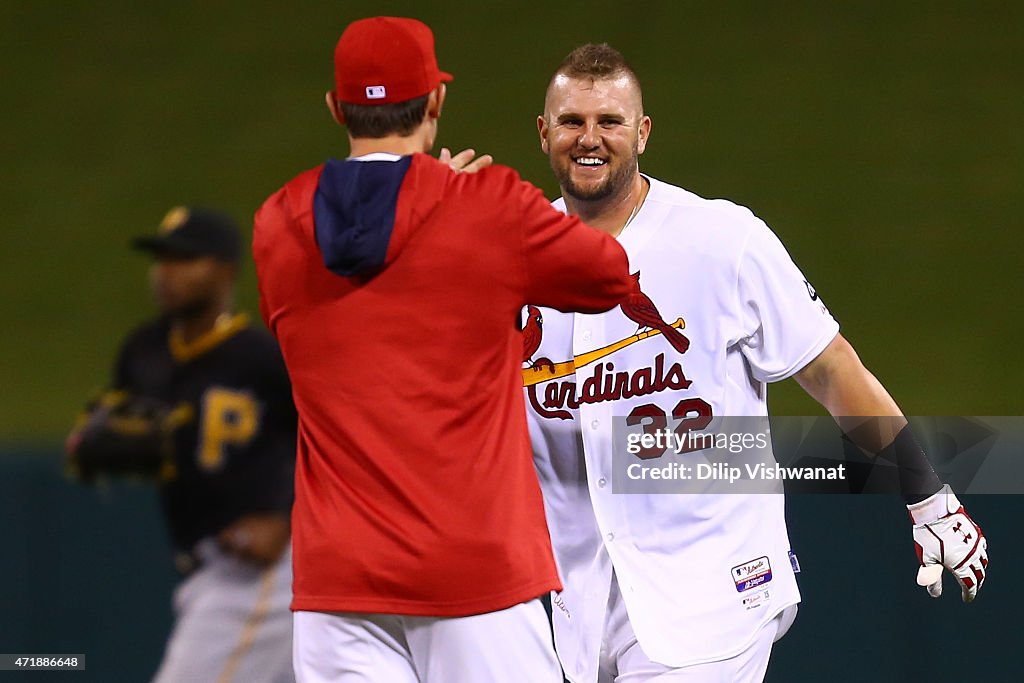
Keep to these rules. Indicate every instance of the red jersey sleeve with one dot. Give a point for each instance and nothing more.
(569, 265)
(268, 218)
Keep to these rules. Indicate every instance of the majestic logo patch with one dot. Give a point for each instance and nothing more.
(810, 291)
(752, 574)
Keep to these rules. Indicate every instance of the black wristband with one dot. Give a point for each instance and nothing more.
(917, 478)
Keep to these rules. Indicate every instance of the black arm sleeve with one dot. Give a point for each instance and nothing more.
(917, 477)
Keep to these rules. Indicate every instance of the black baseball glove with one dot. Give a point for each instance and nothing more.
(124, 435)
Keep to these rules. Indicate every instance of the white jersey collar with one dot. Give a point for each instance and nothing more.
(646, 221)
(642, 220)
(377, 156)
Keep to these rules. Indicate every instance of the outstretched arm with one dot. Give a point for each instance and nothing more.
(868, 415)
(945, 536)
(852, 395)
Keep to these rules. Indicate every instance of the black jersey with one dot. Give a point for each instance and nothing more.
(236, 454)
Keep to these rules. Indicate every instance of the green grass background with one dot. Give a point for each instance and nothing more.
(881, 140)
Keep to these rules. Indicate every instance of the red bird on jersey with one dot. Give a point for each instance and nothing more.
(532, 333)
(639, 308)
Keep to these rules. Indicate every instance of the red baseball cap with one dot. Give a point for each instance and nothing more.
(383, 60)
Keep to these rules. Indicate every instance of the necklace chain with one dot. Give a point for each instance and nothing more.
(633, 213)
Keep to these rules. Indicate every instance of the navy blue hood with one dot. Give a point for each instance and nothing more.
(354, 213)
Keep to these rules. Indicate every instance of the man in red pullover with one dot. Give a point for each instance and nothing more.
(393, 283)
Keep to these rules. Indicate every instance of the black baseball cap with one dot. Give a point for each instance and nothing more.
(189, 231)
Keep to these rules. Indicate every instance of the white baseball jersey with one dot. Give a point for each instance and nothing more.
(700, 574)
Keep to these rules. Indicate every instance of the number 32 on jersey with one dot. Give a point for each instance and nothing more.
(694, 415)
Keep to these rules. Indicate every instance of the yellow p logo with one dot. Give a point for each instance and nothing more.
(229, 418)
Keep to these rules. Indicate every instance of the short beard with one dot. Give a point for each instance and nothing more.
(615, 183)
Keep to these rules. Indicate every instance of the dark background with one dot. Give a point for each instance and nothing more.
(882, 142)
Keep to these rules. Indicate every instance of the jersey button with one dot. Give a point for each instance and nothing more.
(586, 336)
(610, 536)
(595, 424)
(601, 482)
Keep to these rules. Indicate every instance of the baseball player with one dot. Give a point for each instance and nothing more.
(393, 283)
(201, 403)
(676, 586)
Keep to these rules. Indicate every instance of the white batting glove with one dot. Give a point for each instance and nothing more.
(946, 536)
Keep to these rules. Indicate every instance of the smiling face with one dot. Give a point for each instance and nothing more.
(593, 131)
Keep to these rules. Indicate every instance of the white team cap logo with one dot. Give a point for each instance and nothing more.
(376, 92)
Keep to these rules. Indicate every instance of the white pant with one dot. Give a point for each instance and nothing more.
(623, 661)
(232, 622)
(509, 646)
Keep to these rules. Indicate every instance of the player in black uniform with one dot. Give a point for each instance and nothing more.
(202, 403)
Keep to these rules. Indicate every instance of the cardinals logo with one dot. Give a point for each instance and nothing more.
(639, 308)
(533, 330)
(605, 383)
